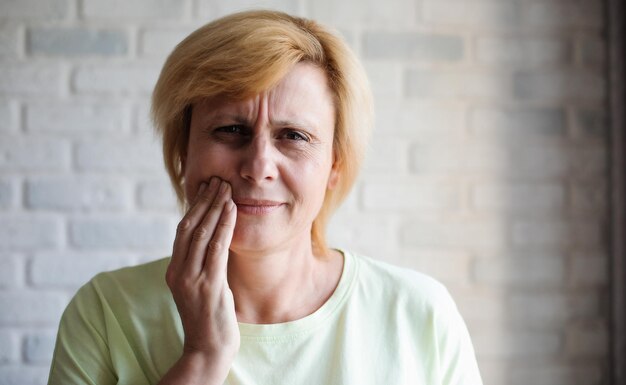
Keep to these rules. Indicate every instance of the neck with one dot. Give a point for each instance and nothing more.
(282, 285)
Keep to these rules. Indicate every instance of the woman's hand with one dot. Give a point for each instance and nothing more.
(197, 278)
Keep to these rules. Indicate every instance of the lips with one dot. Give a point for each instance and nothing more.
(256, 206)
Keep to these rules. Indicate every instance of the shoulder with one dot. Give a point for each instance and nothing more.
(143, 277)
(399, 279)
(403, 283)
(144, 283)
(417, 307)
(104, 317)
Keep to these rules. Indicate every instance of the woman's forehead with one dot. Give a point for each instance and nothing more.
(301, 95)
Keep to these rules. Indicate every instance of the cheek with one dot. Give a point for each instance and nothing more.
(203, 163)
(309, 179)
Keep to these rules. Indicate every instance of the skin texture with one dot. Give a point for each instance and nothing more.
(277, 146)
(256, 173)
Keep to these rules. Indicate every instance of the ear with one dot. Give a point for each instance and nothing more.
(333, 177)
(183, 164)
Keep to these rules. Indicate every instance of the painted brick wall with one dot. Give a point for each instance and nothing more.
(487, 169)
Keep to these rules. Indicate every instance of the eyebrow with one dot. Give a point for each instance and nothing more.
(289, 123)
(241, 119)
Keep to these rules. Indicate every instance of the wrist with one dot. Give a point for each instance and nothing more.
(197, 368)
(213, 366)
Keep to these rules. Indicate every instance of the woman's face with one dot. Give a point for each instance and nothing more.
(276, 151)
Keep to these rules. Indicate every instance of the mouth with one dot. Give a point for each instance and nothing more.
(256, 206)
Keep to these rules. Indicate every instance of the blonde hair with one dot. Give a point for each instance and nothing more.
(246, 53)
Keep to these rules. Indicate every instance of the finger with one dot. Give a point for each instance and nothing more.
(216, 261)
(203, 234)
(186, 227)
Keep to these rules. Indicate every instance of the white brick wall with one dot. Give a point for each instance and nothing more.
(487, 167)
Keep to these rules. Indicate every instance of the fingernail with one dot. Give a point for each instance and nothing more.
(202, 188)
(212, 182)
(223, 187)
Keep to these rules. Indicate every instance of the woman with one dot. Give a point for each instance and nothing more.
(264, 119)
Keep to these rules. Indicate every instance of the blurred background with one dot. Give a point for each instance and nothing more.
(488, 166)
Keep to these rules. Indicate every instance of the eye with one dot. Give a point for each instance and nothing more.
(295, 135)
(232, 129)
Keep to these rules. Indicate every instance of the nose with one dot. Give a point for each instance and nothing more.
(259, 160)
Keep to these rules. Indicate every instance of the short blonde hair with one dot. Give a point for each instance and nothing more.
(246, 53)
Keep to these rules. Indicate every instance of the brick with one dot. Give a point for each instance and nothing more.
(589, 271)
(387, 156)
(592, 53)
(7, 193)
(517, 345)
(34, 9)
(71, 270)
(133, 10)
(518, 124)
(29, 308)
(161, 41)
(33, 154)
(412, 46)
(466, 234)
(30, 79)
(448, 267)
(522, 52)
(454, 83)
(556, 374)
(142, 122)
(589, 163)
(75, 117)
(119, 155)
(492, 371)
(23, 375)
(484, 310)
(591, 124)
(386, 79)
(478, 157)
(589, 197)
(363, 12)
(552, 14)
(424, 120)
(478, 14)
(559, 85)
(556, 233)
(547, 161)
(527, 272)
(38, 347)
(116, 79)
(405, 195)
(9, 353)
(19, 232)
(71, 42)
(10, 39)
(544, 310)
(529, 162)
(590, 339)
(156, 234)
(214, 9)
(519, 198)
(354, 231)
(71, 193)
(11, 272)
(8, 117)
(157, 195)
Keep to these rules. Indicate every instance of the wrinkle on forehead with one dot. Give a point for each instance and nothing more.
(297, 100)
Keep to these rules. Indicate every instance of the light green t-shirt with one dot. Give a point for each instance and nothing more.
(382, 325)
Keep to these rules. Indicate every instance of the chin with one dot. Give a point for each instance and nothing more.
(251, 242)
